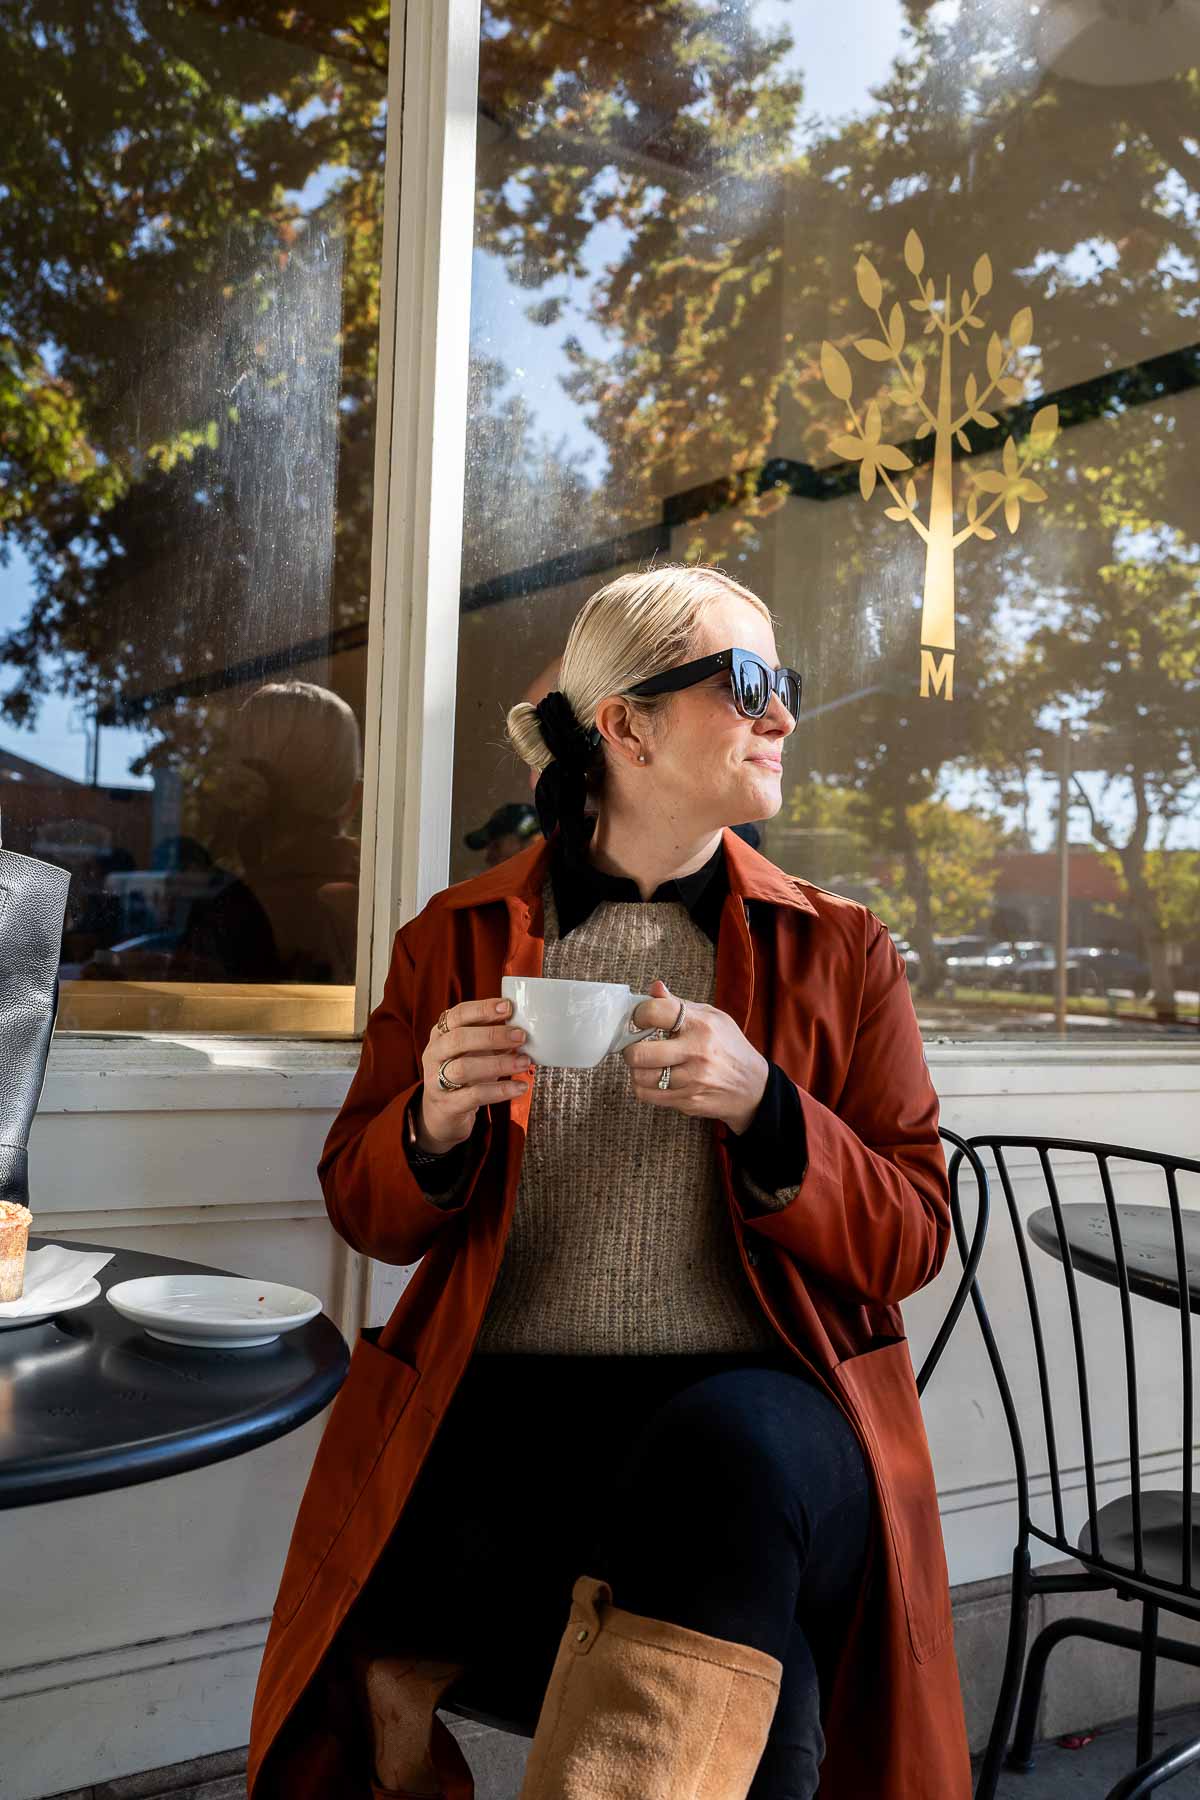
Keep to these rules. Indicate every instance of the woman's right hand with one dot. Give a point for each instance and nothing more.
(484, 1054)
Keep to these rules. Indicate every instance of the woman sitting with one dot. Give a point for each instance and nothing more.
(649, 1380)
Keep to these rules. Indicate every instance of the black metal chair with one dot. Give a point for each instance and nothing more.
(471, 1699)
(1139, 1543)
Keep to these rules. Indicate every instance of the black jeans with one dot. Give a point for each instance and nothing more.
(723, 1493)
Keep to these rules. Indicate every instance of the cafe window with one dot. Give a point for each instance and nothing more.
(190, 245)
(893, 312)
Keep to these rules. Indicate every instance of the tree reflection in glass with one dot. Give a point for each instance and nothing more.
(189, 260)
(669, 212)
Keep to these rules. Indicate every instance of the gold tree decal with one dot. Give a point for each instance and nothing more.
(879, 461)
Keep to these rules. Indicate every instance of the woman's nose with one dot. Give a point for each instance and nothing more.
(778, 718)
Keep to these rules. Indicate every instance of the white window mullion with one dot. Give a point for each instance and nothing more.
(425, 331)
(376, 802)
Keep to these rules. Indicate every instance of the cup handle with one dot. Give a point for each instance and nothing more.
(626, 1035)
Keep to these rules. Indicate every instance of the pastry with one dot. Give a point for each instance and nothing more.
(14, 1238)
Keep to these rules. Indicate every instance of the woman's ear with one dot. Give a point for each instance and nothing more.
(621, 728)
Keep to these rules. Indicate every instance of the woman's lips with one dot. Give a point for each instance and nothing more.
(766, 762)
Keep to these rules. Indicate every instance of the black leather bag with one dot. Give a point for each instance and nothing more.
(33, 904)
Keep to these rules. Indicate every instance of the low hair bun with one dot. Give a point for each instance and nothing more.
(525, 735)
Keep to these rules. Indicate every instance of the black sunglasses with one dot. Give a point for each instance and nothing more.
(753, 681)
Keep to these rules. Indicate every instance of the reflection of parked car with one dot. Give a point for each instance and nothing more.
(154, 900)
(1090, 970)
(962, 957)
(145, 958)
(912, 958)
(982, 963)
(1005, 964)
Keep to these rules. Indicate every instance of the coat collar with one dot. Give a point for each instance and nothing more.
(522, 877)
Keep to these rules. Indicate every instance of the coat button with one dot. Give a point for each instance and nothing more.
(752, 1258)
(581, 1637)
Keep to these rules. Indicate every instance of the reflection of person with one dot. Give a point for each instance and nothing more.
(510, 828)
(660, 1295)
(293, 785)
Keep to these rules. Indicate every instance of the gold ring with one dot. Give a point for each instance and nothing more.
(664, 1080)
(442, 1026)
(677, 1027)
(448, 1087)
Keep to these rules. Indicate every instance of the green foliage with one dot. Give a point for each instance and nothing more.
(151, 161)
(1173, 881)
(959, 851)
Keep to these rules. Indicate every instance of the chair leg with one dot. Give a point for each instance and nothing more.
(1018, 1627)
(1166, 1765)
(1020, 1755)
(1147, 1670)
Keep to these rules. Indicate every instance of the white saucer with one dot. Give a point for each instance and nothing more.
(10, 1321)
(223, 1312)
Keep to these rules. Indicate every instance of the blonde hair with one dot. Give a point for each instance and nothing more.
(298, 751)
(637, 626)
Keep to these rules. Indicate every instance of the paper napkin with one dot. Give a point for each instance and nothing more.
(53, 1274)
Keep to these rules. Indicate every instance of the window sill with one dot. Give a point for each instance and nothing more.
(986, 1052)
(117, 1072)
(123, 1072)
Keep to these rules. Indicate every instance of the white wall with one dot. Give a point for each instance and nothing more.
(135, 1619)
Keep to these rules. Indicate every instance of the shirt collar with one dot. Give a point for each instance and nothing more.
(580, 887)
(519, 880)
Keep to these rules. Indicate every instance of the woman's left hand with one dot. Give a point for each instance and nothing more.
(716, 1073)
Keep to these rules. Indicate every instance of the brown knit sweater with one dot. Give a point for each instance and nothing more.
(621, 1242)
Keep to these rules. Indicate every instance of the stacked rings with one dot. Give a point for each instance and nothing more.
(448, 1087)
(664, 1080)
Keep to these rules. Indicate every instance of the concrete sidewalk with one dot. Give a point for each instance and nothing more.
(1094, 1769)
(1058, 1774)
(498, 1762)
(1087, 1774)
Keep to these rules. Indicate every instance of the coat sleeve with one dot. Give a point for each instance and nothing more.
(371, 1193)
(871, 1217)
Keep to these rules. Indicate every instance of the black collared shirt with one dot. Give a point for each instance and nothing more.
(580, 887)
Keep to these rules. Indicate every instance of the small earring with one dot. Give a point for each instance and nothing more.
(641, 759)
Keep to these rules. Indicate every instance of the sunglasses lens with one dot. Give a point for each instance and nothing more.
(753, 688)
(789, 691)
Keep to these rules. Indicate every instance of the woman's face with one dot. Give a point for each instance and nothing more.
(712, 766)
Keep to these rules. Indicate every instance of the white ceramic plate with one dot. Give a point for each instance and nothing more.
(225, 1312)
(10, 1321)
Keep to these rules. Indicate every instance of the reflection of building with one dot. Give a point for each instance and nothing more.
(47, 814)
(1027, 891)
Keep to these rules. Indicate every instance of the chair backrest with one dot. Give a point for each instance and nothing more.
(969, 1249)
(1084, 1280)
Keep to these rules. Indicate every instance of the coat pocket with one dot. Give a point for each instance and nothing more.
(372, 1399)
(881, 1391)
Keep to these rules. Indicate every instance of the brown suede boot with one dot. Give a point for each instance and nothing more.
(402, 1693)
(638, 1709)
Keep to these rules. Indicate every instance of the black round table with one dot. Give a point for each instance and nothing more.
(88, 1401)
(1148, 1235)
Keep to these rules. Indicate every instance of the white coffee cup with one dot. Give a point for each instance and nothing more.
(573, 1024)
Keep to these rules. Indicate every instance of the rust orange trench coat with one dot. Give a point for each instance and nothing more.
(816, 984)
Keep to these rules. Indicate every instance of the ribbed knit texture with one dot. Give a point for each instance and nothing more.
(621, 1242)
